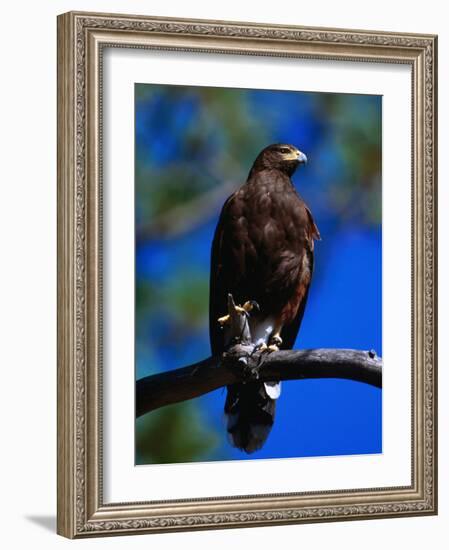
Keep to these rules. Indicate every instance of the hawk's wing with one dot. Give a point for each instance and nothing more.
(290, 331)
(218, 286)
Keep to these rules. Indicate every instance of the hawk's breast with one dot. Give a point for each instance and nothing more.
(266, 234)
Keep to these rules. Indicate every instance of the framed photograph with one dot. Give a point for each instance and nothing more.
(246, 274)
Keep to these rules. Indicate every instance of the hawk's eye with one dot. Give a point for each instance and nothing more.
(284, 150)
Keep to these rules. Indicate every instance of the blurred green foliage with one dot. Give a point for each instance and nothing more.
(205, 136)
(176, 433)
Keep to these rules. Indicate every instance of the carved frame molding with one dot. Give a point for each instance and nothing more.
(81, 39)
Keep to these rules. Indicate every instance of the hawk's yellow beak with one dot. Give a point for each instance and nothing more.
(296, 155)
(302, 158)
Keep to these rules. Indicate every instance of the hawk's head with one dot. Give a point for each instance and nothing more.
(280, 156)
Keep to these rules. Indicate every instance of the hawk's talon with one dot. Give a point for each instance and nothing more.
(224, 320)
(250, 305)
(261, 346)
(276, 340)
(272, 347)
(243, 310)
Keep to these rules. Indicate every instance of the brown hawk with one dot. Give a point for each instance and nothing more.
(263, 252)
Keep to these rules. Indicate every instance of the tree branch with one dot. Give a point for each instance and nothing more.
(241, 364)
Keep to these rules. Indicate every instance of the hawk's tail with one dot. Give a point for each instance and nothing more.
(250, 413)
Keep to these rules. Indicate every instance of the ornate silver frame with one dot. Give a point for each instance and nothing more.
(81, 37)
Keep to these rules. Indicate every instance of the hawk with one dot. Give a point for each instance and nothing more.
(262, 253)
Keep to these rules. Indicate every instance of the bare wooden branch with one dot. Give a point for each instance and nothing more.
(241, 363)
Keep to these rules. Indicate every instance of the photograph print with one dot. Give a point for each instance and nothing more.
(258, 253)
